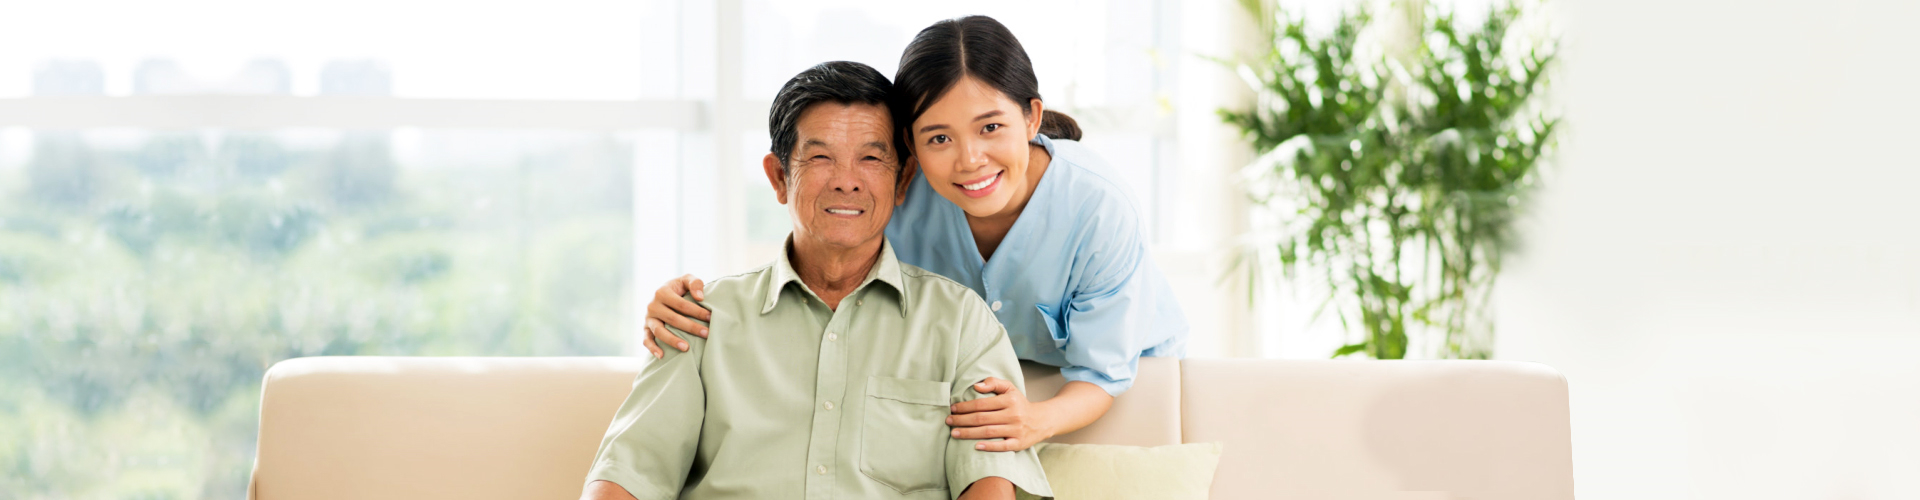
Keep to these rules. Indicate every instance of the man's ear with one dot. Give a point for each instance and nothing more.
(776, 175)
(908, 169)
(1035, 117)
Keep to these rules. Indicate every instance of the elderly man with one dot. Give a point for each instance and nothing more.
(829, 373)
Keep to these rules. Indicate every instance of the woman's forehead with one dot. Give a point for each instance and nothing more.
(967, 99)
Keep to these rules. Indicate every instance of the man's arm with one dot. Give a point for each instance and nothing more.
(974, 472)
(651, 445)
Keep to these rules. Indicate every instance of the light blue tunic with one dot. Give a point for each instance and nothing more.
(1072, 282)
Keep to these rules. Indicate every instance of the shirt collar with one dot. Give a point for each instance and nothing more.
(886, 270)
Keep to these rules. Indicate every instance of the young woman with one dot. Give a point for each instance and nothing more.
(1009, 203)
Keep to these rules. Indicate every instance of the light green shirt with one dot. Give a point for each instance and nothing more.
(788, 398)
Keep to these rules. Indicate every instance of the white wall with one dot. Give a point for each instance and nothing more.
(1726, 265)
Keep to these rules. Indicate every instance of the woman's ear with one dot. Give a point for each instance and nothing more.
(908, 169)
(776, 175)
(1035, 117)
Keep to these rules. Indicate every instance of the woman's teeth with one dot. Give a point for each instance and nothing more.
(982, 184)
(842, 211)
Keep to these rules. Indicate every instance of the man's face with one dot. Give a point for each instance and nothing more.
(843, 179)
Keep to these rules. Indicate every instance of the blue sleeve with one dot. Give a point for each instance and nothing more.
(1112, 304)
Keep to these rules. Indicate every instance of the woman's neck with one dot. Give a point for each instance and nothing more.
(989, 231)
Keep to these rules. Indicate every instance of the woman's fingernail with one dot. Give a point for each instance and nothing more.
(956, 433)
(683, 346)
(703, 332)
(980, 446)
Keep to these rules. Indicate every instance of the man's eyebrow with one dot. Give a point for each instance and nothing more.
(814, 142)
(881, 145)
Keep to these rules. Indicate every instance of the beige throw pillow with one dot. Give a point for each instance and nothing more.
(1112, 472)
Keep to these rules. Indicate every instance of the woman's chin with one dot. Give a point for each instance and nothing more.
(981, 209)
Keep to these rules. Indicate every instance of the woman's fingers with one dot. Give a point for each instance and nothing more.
(697, 287)
(679, 304)
(993, 385)
(652, 348)
(1008, 444)
(987, 432)
(1000, 402)
(979, 419)
(660, 311)
(664, 335)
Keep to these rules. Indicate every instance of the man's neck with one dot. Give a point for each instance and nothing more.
(832, 272)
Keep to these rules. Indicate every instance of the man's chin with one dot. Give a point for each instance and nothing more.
(843, 238)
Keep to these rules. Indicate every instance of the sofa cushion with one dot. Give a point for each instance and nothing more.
(1402, 430)
(1114, 472)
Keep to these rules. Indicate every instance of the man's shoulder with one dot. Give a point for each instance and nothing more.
(922, 280)
(932, 290)
(747, 287)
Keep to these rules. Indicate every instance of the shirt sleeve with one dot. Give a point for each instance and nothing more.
(655, 435)
(991, 356)
(1110, 315)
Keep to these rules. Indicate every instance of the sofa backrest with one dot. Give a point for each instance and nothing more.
(1366, 430)
(1146, 415)
(471, 428)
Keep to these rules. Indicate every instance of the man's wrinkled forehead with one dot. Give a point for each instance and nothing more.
(866, 127)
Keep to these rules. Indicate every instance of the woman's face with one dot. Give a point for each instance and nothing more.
(972, 145)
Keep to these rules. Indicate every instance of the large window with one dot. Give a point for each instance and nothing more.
(193, 190)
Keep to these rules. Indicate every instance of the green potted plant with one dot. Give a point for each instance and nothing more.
(1396, 175)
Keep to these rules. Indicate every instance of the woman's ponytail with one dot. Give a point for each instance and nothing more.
(1057, 125)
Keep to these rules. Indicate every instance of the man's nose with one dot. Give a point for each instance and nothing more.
(845, 178)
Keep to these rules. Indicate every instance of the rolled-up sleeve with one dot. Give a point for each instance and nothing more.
(992, 357)
(651, 445)
(1110, 314)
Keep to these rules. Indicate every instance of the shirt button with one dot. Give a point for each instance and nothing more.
(832, 337)
(828, 404)
(996, 306)
(860, 302)
(821, 469)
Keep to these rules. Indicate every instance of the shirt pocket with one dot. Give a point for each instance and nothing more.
(904, 439)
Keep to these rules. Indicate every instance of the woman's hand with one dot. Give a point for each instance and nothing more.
(1007, 415)
(670, 307)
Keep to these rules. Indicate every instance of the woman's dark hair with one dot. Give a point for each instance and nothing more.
(976, 46)
(839, 82)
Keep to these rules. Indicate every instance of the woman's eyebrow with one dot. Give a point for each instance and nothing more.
(989, 114)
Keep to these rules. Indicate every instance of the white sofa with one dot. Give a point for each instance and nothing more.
(527, 428)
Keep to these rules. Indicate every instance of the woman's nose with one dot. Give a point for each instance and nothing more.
(974, 154)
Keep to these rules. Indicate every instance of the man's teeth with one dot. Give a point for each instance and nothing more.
(982, 184)
(842, 211)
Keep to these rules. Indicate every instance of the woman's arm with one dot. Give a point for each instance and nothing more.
(1078, 404)
(1020, 423)
(670, 307)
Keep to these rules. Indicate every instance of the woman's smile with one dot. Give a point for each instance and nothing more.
(981, 187)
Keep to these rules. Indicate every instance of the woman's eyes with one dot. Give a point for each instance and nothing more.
(943, 139)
